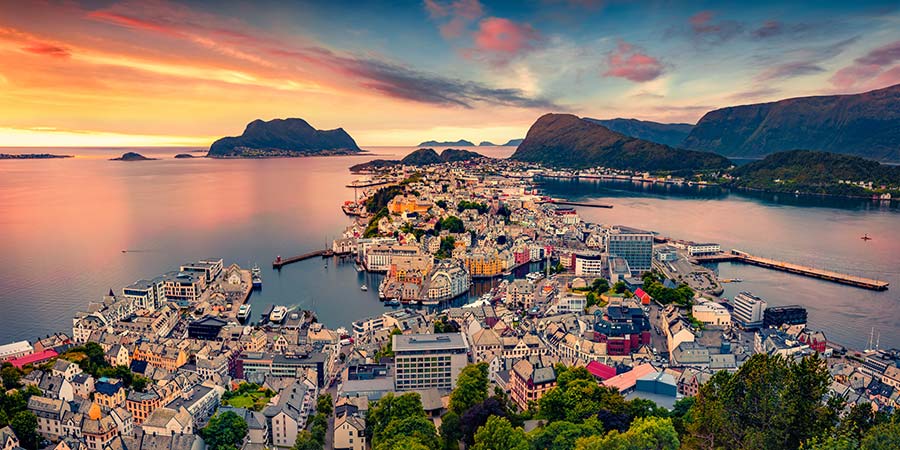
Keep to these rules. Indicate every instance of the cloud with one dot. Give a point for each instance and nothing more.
(776, 28)
(789, 70)
(500, 35)
(803, 61)
(754, 94)
(871, 70)
(47, 49)
(629, 62)
(705, 29)
(458, 15)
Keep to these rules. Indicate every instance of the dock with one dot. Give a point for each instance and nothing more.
(586, 204)
(822, 274)
(368, 183)
(279, 261)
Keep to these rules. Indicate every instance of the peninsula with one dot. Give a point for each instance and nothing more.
(32, 156)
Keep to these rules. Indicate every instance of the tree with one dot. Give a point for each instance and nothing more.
(478, 415)
(306, 441)
(325, 405)
(452, 224)
(388, 350)
(418, 427)
(620, 287)
(10, 375)
(600, 285)
(882, 437)
(499, 434)
(651, 433)
(831, 443)
(563, 435)
(391, 408)
(224, 431)
(401, 443)
(451, 431)
(471, 388)
(448, 243)
(24, 424)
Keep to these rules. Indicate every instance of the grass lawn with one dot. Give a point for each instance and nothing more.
(250, 400)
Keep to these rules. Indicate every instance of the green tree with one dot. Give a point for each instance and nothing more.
(401, 443)
(418, 427)
(452, 224)
(10, 375)
(451, 430)
(325, 404)
(600, 285)
(24, 424)
(563, 435)
(387, 351)
(471, 388)
(882, 437)
(499, 434)
(831, 443)
(446, 249)
(306, 441)
(652, 433)
(224, 431)
(620, 287)
(391, 408)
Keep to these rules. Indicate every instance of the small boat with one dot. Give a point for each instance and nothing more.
(243, 312)
(256, 277)
(364, 288)
(278, 314)
(359, 268)
(866, 237)
(392, 302)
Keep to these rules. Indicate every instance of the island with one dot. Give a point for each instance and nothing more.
(419, 158)
(132, 156)
(486, 144)
(816, 172)
(184, 156)
(284, 138)
(513, 142)
(32, 156)
(459, 143)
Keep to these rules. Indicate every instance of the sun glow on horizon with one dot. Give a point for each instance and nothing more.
(51, 137)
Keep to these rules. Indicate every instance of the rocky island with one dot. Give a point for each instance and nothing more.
(32, 156)
(418, 158)
(132, 156)
(284, 138)
(184, 156)
(459, 143)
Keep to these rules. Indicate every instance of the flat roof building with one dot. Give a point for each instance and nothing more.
(424, 361)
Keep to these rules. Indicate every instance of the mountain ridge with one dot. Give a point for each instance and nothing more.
(283, 137)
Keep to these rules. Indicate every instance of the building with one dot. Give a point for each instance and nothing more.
(635, 246)
(183, 288)
(287, 416)
(166, 421)
(65, 369)
(521, 292)
(624, 329)
(257, 427)
(484, 264)
(529, 379)
(588, 263)
(109, 393)
(259, 365)
(8, 439)
(448, 280)
(349, 430)
(146, 294)
(206, 328)
(703, 249)
(618, 269)
(380, 257)
(748, 310)
(711, 313)
(15, 350)
(424, 361)
(49, 414)
(776, 316)
(200, 402)
(408, 204)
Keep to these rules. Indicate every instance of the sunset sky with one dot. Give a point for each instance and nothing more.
(143, 73)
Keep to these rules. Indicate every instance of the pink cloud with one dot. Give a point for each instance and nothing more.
(461, 14)
(872, 70)
(500, 35)
(47, 49)
(628, 62)
(703, 27)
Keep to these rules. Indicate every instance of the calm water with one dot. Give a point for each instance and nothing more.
(64, 224)
(813, 231)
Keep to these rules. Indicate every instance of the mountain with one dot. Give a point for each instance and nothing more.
(671, 134)
(866, 125)
(284, 137)
(486, 144)
(568, 141)
(132, 156)
(459, 143)
(513, 142)
(815, 172)
(420, 157)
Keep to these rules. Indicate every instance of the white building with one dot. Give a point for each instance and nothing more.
(748, 310)
(712, 313)
(424, 361)
(15, 350)
(703, 249)
(588, 264)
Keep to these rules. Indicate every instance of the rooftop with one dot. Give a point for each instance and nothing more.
(415, 342)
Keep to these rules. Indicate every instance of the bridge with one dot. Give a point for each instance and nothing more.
(822, 274)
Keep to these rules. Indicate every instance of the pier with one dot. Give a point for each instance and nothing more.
(822, 274)
(586, 204)
(368, 183)
(279, 261)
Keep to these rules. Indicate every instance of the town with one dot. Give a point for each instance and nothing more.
(178, 362)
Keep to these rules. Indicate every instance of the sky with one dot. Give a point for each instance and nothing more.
(157, 72)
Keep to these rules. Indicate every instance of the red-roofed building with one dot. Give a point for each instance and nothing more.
(626, 381)
(34, 358)
(600, 371)
(645, 297)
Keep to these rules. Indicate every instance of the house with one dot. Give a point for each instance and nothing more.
(118, 355)
(65, 369)
(109, 392)
(49, 412)
(200, 402)
(99, 432)
(166, 421)
(83, 385)
(56, 387)
(529, 379)
(33, 358)
(600, 371)
(8, 439)
(349, 430)
(287, 414)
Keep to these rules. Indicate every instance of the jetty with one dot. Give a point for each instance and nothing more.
(822, 274)
(279, 261)
(368, 183)
(586, 204)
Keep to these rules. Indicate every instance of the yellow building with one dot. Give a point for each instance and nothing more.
(408, 203)
(161, 356)
(484, 265)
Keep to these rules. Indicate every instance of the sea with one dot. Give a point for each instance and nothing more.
(72, 229)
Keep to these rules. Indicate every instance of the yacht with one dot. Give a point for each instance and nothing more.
(255, 275)
(392, 302)
(244, 312)
(364, 287)
(278, 314)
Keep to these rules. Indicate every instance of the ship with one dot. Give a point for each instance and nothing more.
(364, 287)
(392, 302)
(257, 278)
(278, 314)
(243, 312)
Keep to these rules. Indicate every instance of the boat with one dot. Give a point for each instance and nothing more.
(256, 277)
(244, 312)
(278, 314)
(866, 237)
(364, 287)
(359, 268)
(392, 302)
